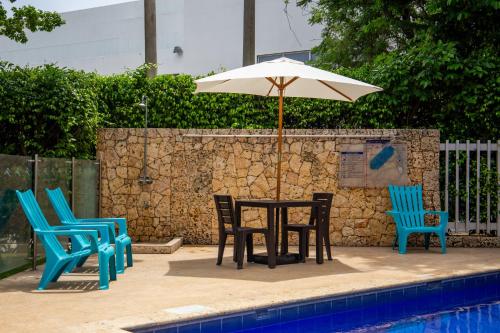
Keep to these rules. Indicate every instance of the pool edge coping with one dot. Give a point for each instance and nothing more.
(199, 317)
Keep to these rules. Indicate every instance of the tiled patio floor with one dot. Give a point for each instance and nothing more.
(190, 277)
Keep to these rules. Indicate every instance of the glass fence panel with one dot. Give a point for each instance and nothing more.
(52, 173)
(15, 232)
(85, 186)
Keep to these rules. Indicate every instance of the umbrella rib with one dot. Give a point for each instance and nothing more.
(337, 91)
(273, 81)
(290, 82)
(270, 89)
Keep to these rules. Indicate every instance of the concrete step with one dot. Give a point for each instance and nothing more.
(158, 247)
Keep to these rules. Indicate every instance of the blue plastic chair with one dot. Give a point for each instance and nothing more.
(409, 214)
(122, 240)
(57, 259)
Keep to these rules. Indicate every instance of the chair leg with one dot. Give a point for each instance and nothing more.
(427, 239)
(130, 261)
(50, 273)
(395, 241)
(250, 257)
(112, 268)
(235, 249)
(442, 240)
(71, 266)
(103, 271)
(302, 245)
(120, 258)
(81, 262)
(328, 246)
(307, 243)
(78, 262)
(240, 244)
(58, 273)
(270, 249)
(403, 239)
(222, 245)
(284, 241)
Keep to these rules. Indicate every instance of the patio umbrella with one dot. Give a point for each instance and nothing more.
(282, 77)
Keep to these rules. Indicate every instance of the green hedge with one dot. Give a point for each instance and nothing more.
(56, 111)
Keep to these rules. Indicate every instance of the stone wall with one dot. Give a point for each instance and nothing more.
(188, 170)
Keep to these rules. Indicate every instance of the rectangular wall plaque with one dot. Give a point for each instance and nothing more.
(352, 169)
(376, 163)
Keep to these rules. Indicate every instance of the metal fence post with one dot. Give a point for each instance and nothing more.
(35, 190)
(488, 177)
(457, 185)
(73, 184)
(467, 185)
(99, 198)
(498, 188)
(473, 220)
(446, 178)
(478, 184)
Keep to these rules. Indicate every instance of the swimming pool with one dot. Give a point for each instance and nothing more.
(465, 304)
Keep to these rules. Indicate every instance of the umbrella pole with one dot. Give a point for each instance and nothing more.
(280, 138)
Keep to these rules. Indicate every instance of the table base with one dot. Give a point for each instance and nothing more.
(283, 259)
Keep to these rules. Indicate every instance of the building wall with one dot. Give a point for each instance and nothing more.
(110, 39)
(187, 171)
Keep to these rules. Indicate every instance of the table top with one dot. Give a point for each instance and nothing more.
(276, 203)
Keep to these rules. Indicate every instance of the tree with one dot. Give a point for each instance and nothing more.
(26, 17)
(150, 53)
(357, 31)
(248, 32)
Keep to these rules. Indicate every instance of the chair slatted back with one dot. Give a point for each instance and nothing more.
(407, 200)
(64, 213)
(225, 211)
(326, 200)
(60, 205)
(39, 223)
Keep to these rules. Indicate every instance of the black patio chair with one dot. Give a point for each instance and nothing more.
(313, 225)
(229, 226)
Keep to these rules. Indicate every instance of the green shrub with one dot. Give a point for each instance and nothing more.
(56, 111)
(47, 110)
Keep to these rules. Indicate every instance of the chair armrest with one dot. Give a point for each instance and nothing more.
(110, 225)
(443, 217)
(122, 223)
(396, 216)
(91, 234)
(103, 230)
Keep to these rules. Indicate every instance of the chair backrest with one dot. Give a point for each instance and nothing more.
(64, 213)
(407, 200)
(37, 220)
(326, 200)
(60, 205)
(225, 211)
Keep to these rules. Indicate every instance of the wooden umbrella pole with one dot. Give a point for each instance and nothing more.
(280, 138)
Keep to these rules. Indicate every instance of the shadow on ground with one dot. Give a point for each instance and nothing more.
(206, 268)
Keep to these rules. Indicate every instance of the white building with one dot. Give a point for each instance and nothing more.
(208, 33)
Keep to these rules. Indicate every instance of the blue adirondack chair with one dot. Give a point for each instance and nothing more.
(122, 240)
(409, 214)
(57, 259)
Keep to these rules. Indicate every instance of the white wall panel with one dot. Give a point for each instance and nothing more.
(110, 39)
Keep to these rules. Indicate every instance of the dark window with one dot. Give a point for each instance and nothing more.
(303, 56)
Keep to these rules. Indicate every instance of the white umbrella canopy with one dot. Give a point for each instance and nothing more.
(282, 77)
(299, 80)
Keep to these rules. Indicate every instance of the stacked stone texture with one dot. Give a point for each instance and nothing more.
(188, 170)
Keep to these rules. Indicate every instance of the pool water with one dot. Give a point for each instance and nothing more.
(483, 318)
(457, 305)
(480, 318)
